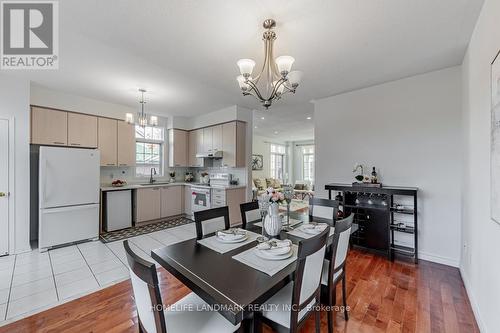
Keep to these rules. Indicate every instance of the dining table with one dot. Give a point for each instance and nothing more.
(231, 287)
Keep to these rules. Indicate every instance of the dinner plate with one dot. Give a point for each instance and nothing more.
(234, 240)
(267, 256)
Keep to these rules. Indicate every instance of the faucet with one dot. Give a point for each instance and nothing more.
(153, 172)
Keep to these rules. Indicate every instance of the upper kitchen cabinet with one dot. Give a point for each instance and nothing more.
(217, 138)
(126, 144)
(49, 127)
(233, 144)
(108, 141)
(207, 139)
(195, 146)
(82, 130)
(178, 148)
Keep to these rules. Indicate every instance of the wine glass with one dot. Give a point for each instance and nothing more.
(263, 206)
(288, 194)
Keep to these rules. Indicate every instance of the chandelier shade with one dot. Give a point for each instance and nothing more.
(142, 117)
(275, 78)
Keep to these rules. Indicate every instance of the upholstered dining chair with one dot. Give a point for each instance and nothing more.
(334, 267)
(249, 212)
(210, 220)
(290, 307)
(153, 318)
(323, 208)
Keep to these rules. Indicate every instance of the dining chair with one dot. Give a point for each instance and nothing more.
(210, 220)
(249, 212)
(154, 318)
(289, 308)
(323, 208)
(334, 268)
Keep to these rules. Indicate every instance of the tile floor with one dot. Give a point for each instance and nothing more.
(34, 281)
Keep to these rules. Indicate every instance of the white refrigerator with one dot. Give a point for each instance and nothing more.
(69, 181)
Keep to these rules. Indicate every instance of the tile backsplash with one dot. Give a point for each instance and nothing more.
(108, 174)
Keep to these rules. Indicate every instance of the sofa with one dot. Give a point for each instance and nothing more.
(261, 184)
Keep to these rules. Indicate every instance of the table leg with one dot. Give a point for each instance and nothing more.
(246, 325)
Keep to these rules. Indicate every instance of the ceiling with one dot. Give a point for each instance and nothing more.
(184, 52)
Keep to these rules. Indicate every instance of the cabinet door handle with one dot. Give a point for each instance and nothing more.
(110, 164)
(122, 164)
(75, 144)
(58, 143)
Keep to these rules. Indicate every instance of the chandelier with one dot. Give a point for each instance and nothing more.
(275, 78)
(142, 118)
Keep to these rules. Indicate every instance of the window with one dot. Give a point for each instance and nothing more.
(308, 163)
(148, 150)
(277, 160)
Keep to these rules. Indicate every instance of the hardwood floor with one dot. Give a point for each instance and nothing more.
(382, 296)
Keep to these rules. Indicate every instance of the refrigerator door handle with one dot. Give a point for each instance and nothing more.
(68, 208)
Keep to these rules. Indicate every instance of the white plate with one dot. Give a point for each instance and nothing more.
(311, 230)
(266, 256)
(231, 241)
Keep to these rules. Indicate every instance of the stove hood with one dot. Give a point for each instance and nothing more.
(216, 154)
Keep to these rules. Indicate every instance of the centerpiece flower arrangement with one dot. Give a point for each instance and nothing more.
(272, 220)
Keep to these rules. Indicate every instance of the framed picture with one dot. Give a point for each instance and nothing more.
(257, 162)
(495, 139)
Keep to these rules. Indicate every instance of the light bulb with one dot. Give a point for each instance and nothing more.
(241, 81)
(129, 118)
(284, 64)
(246, 66)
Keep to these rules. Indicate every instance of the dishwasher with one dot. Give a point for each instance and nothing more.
(118, 210)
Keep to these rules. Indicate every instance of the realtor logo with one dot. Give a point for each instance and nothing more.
(30, 36)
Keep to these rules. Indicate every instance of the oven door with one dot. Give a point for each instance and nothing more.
(200, 199)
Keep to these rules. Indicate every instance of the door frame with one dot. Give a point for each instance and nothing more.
(11, 183)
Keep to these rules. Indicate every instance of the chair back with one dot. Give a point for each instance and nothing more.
(146, 292)
(210, 220)
(340, 245)
(307, 282)
(323, 208)
(249, 212)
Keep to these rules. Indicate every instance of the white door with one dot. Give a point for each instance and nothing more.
(68, 177)
(4, 187)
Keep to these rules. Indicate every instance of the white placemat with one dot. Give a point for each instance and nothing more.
(270, 267)
(292, 222)
(299, 233)
(214, 244)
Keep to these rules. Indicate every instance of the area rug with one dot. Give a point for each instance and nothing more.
(170, 222)
(296, 205)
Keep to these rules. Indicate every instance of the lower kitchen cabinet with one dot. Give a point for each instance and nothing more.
(147, 204)
(172, 199)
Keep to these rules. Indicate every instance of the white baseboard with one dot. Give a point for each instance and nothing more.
(439, 259)
(472, 300)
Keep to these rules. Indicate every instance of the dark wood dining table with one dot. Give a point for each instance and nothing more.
(230, 286)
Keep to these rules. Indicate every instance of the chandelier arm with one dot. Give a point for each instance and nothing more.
(279, 83)
(255, 89)
(256, 79)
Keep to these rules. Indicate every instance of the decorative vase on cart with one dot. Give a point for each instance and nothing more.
(272, 221)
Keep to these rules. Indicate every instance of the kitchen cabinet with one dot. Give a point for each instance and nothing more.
(108, 141)
(172, 198)
(195, 146)
(147, 204)
(178, 148)
(125, 144)
(49, 127)
(233, 144)
(217, 138)
(207, 139)
(82, 130)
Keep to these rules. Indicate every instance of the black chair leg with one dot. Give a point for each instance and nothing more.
(318, 321)
(329, 314)
(344, 297)
(257, 323)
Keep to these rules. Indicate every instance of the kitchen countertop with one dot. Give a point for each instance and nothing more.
(138, 186)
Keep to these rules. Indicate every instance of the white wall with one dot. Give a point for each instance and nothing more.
(261, 147)
(410, 130)
(14, 106)
(480, 267)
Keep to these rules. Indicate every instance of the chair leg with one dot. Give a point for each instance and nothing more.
(318, 321)
(344, 297)
(257, 323)
(329, 314)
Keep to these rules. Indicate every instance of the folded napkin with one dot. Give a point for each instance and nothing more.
(276, 246)
(314, 228)
(231, 234)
